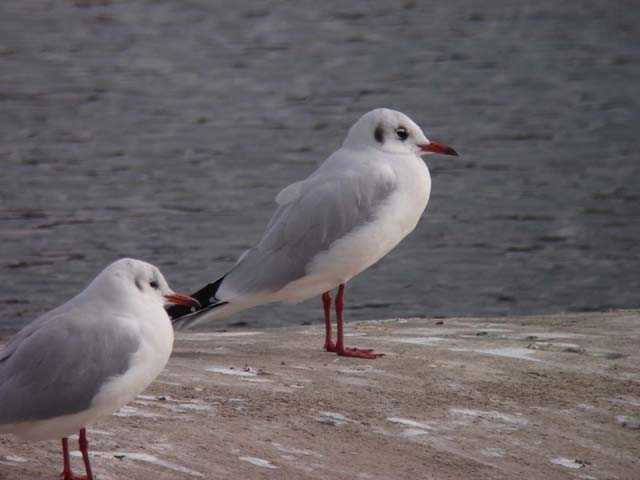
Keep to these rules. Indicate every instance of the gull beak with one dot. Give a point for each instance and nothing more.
(180, 299)
(435, 147)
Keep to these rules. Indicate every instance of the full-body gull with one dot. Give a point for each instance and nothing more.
(88, 357)
(348, 214)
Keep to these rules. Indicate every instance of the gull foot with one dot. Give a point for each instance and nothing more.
(366, 353)
(72, 476)
(330, 347)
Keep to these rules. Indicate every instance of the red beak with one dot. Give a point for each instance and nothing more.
(435, 147)
(180, 299)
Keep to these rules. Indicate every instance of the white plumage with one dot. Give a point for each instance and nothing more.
(88, 357)
(348, 214)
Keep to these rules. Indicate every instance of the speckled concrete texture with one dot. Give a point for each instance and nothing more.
(541, 397)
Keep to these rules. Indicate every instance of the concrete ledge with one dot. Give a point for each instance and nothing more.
(540, 397)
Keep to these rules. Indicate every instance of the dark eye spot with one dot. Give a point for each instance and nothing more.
(378, 134)
(154, 284)
(139, 284)
(402, 133)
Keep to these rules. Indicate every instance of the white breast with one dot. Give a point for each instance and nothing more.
(350, 255)
(156, 334)
(156, 343)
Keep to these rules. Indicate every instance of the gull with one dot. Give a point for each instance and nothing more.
(348, 214)
(88, 357)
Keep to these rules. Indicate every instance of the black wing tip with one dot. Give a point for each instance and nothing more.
(185, 321)
(178, 311)
(206, 296)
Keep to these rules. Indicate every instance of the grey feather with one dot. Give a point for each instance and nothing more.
(32, 327)
(57, 364)
(339, 197)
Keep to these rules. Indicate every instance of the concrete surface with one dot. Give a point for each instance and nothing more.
(540, 397)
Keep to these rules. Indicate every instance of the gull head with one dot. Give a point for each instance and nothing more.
(130, 281)
(392, 132)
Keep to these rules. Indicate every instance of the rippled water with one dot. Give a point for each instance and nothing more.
(164, 129)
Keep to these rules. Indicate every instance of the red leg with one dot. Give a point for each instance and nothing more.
(329, 346)
(339, 309)
(84, 449)
(67, 473)
(340, 348)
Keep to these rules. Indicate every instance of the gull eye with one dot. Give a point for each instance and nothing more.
(402, 133)
(154, 284)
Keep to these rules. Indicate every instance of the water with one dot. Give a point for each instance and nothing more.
(163, 130)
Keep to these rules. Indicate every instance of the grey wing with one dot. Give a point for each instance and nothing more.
(327, 208)
(59, 368)
(30, 329)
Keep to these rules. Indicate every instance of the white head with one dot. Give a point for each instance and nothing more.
(392, 132)
(129, 281)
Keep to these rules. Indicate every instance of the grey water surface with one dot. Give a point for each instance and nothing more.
(163, 130)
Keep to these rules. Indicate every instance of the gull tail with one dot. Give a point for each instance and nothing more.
(211, 308)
